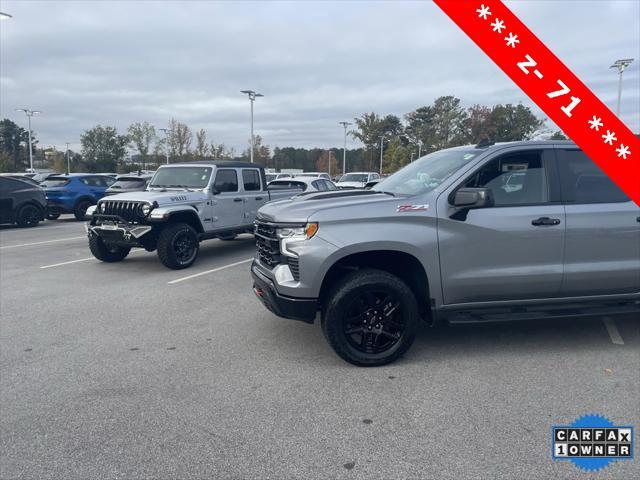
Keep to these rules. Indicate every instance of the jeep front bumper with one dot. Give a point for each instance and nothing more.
(303, 309)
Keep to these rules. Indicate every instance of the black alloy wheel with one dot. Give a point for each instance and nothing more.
(28, 216)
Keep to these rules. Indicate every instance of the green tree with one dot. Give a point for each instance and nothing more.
(103, 149)
(559, 135)
(141, 135)
(14, 143)
(510, 123)
(395, 156)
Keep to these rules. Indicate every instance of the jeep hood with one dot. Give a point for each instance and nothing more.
(162, 198)
(342, 203)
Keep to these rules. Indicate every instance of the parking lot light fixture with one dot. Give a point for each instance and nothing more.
(344, 150)
(29, 113)
(620, 65)
(382, 139)
(252, 98)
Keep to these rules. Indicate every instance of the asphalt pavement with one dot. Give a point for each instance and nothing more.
(131, 370)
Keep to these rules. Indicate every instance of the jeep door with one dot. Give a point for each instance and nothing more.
(513, 250)
(254, 194)
(602, 254)
(227, 203)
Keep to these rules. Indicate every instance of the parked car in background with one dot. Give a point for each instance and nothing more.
(20, 176)
(184, 204)
(357, 179)
(41, 176)
(21, 202)
(129, 183)
(74, 193)
(304, 184)
(276, 176)
(313, 174)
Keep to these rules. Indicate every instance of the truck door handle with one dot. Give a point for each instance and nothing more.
(260, 198)
(538, 222)
(237, 199)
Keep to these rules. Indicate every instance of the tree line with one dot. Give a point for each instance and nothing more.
(442, 124)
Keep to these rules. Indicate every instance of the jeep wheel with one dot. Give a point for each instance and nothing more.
(105, 252)
(178, 246)
(53, 216)
(370, 318)
(81, 209)
(28, 216)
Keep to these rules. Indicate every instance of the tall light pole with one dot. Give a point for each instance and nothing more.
(252, 98)
(68, 162)
(344, 150)
(620, 65)
(166, 131)
(382, 138)
(29, 114)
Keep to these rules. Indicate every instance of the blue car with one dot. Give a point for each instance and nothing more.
(74, 193)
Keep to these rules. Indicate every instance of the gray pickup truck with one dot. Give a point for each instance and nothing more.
(183, 204)
(522, 230)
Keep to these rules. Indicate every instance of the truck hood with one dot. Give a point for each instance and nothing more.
(341, 204)
(162, 198)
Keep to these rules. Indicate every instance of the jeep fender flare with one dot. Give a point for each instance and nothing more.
(178, 213)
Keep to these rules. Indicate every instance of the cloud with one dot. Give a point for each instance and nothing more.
(317, 63)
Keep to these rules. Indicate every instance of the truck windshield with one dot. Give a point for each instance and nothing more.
(181, 177)
(427, 173)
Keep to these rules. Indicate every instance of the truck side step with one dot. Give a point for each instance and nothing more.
(540, 312)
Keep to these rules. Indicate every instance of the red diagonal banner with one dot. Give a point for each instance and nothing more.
(552, 86)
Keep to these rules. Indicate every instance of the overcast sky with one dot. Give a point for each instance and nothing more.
(113, 63)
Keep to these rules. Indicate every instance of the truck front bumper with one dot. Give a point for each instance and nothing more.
(303, 309)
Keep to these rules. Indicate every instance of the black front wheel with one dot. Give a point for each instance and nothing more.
(105, 252)
(370, 318)
(80, 209)
(178, 246)
(28, 216)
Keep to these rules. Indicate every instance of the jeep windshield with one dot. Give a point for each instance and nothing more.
(181, 177)
(427, 173)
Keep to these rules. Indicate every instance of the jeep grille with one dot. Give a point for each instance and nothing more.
(129, 211)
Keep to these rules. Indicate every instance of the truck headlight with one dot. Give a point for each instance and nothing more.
(145, 209)
(298, 233)
(102, 207)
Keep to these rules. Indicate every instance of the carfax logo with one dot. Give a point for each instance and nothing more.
(592, 442)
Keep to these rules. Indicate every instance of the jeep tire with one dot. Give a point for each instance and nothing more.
(105, 252)
(28, 216)
(370, 317)
(178, 246)
(81, 209)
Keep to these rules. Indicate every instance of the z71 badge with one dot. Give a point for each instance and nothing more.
(412, 208)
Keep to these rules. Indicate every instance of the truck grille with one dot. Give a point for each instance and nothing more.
(129, 211)
(267, 244)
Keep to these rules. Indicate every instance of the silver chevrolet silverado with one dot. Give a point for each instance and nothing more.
(523, 230)
(183, 204)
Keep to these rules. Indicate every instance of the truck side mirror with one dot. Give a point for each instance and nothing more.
(473, 198)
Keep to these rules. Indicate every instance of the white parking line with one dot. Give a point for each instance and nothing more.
(42, 243)
(614, 334)
(67, 263)
(213, 270)
(83, 260)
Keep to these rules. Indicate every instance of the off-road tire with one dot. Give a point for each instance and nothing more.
(28, 216)
(80, 209)
(105, 252)
(171, 246)
(340, 302)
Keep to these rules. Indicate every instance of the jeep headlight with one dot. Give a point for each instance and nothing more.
(102, 207)
(297, 233)
(145, 209)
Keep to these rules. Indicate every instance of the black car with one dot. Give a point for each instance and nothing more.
(129, 183)
(21, 202)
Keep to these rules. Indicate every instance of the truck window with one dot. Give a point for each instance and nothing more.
(251, 180)
(226, 181)
(582, 181)
(515, 179)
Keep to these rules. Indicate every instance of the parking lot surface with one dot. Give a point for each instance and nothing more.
(132, 370)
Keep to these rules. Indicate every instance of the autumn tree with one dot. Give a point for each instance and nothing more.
(202, 147)
(141, 136)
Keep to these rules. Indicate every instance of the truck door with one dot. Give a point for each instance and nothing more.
(227, 204)
(602, 254)
(513, 250)
(255, 194)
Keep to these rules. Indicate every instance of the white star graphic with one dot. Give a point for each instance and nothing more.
(596, 123)
(610, 137)
(498, 25)
(512, 40)
(623, 151)
(483, 12)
